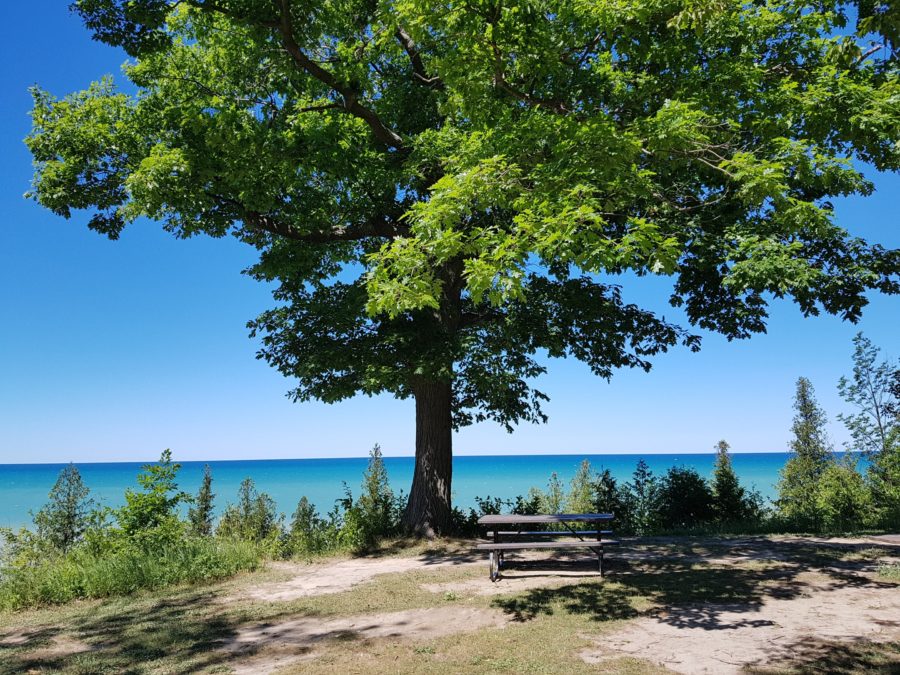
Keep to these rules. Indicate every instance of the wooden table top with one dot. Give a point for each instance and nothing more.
(513, 519)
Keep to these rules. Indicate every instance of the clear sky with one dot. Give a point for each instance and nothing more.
(116, 350)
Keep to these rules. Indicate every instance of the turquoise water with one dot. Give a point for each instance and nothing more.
(24, 487)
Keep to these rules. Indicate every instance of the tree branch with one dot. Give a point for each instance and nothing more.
(501, 82)
(352, 105)
(385, 228)
(415, 59)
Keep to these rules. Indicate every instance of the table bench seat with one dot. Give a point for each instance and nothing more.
(514, 545)
(516, 540)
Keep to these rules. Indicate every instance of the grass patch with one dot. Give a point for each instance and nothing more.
(551, 644)
(84, 575)
(891, 571)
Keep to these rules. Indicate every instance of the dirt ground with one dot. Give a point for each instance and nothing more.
(833, 603)
(757, 604)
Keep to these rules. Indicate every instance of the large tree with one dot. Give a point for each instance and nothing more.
(442, 191)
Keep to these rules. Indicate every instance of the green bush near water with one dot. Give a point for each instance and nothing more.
(77, 550)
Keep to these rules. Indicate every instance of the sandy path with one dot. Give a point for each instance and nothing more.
(718, 638)
(262, 648)
(335, 577)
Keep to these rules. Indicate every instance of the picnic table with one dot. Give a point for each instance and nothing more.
(507, 532)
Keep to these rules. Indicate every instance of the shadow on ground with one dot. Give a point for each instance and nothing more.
(175, 635)
(679, 588)
(815, 656)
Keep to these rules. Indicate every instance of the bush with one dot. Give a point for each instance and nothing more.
(63, 520)
(378, 510)
(553, 501)
(581, 497)
(884, 480)
(684, 500)
(253, 518)
(843, 499)
(799, 485)
(149, 517)
(610, 498)
(732, 503)
(201, 513)
(642, 497)
(309, 533)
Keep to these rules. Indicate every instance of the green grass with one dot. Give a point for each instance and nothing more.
(83, 575)
(891, 571)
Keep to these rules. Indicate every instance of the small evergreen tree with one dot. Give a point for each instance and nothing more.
(609, 498)
(581, 497)
(643, 499)
(253, 518)
(307, 533)
(63, 520)
(684, 499)
(378, 510)
(798, 487)
(200, 514)
(730, 500)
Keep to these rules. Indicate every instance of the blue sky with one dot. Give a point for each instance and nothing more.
(116, 350)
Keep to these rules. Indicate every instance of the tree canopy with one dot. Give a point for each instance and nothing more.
(443, 191)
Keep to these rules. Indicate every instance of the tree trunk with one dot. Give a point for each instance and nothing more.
(428, 509)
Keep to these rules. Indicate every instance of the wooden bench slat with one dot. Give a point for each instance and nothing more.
(513, 545)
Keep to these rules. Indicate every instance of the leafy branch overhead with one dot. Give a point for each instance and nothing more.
(445, 190)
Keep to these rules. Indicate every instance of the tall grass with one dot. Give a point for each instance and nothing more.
(82, 574)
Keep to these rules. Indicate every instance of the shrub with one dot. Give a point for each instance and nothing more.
(379, 510)
(530, 505)
(799, 484)
(843, 499)
(63, 520)
(581, 497)
(684, 499)
(149, 517)
(201, 513)
(642, 496)
(309, 532)
(553, 501)
(253, 518)
(732, 503)
(610, 498)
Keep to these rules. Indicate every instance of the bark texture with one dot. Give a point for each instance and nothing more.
(428, 509)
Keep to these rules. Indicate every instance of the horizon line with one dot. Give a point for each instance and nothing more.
(404, 456)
